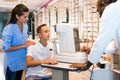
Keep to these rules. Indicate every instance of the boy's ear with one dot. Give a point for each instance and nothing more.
(38, 34)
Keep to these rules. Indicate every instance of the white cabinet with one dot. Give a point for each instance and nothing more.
(103, 74)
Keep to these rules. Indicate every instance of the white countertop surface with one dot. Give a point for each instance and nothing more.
(60, 65)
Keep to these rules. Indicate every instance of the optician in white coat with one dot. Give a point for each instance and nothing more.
(109, 30)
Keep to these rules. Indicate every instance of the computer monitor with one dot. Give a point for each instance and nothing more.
(69, 38)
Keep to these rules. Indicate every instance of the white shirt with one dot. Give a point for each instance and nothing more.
(38, 52)
(110, 29)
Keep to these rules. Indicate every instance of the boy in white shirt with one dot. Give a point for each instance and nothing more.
(39, 54)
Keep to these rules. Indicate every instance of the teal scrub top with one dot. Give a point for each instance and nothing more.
(12, 36)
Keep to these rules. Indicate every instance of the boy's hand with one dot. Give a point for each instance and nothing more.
(53, 61)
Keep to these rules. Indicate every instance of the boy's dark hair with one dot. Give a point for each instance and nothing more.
(39, 28)
(101, 4)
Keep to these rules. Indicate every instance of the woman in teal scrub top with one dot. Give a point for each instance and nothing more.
(15, 42)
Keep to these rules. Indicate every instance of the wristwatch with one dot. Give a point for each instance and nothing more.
(87, 65)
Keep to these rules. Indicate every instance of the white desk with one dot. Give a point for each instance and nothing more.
(60, 71)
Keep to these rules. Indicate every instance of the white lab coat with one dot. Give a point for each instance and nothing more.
(110, 29)
(111, 48)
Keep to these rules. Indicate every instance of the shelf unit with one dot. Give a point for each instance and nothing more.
(81, 13)
(74, 10)
(90, 21)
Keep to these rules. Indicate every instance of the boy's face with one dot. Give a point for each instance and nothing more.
(44, 33)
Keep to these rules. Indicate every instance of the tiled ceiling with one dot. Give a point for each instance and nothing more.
(7, 5)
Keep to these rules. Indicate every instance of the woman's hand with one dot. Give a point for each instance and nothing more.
(30, 42)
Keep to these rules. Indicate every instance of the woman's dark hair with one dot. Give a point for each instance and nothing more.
(18, 10)
(39, 28)
(101, 4)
